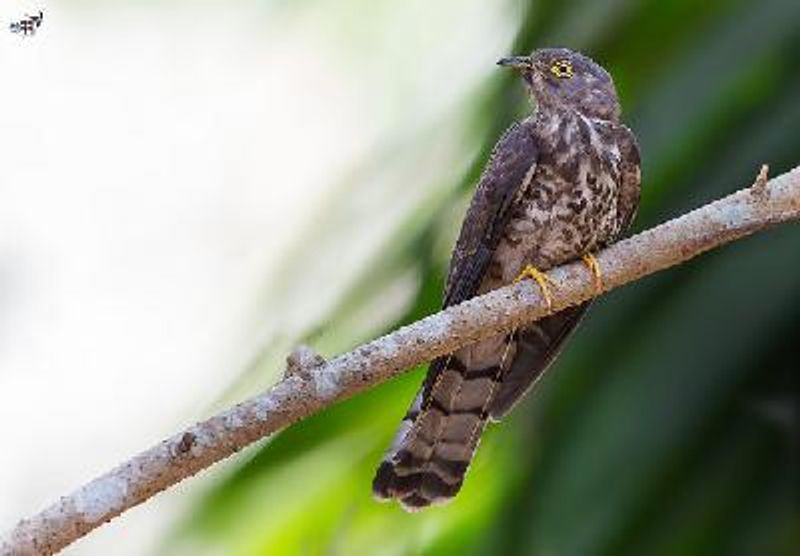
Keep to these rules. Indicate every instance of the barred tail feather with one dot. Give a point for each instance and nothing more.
(438, 437)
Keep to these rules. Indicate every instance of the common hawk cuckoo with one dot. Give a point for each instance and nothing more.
(560, 184)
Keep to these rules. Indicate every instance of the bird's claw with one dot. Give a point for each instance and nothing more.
(597, 274)
(542, 279)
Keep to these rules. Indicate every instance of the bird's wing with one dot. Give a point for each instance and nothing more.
(630, 175)
(512, 163)
(538, 344)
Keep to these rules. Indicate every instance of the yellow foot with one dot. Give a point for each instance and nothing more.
(542, 279)
(594, 267)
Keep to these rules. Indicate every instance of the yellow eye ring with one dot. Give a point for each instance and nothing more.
(562, 69)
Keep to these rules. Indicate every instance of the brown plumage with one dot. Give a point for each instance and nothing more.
(560, 184)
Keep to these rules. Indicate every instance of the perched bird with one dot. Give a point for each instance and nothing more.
(560, 184)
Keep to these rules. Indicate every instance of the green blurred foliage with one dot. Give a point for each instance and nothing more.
(669, 425)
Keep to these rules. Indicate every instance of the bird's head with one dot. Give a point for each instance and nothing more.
(559, 77)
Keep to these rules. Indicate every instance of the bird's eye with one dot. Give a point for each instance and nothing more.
(562, 69)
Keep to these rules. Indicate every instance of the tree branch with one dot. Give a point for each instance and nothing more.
(312, 384)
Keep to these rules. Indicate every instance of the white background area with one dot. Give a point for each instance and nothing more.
(156, 160)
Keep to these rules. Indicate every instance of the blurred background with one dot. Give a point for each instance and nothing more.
(191, 188)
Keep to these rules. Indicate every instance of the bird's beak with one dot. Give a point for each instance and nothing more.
(516, 62)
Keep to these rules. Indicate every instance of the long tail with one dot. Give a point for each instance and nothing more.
(438, 437)
(440, 432)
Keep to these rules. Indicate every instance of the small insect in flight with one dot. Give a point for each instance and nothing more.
(27, 25)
